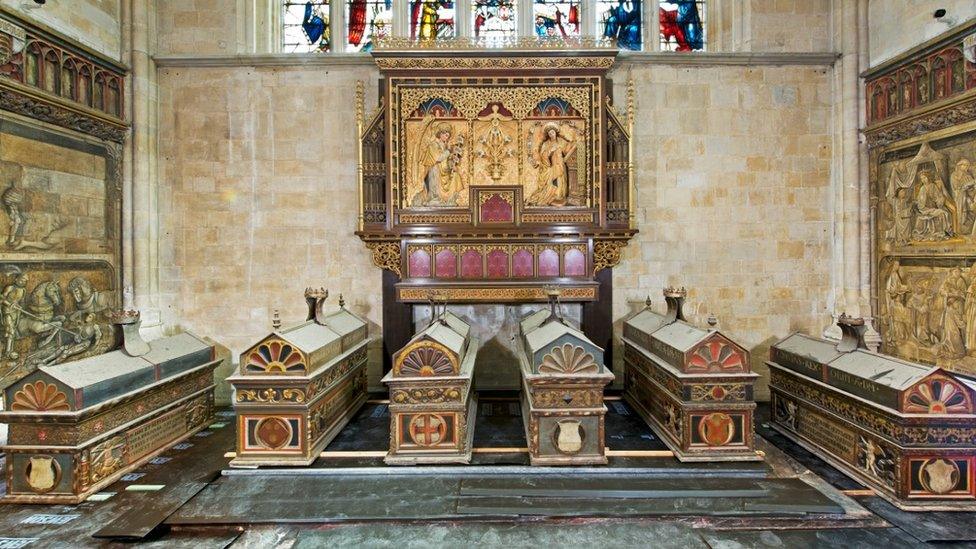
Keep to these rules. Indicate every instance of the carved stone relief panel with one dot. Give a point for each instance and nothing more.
(60, 220)
(927, 197)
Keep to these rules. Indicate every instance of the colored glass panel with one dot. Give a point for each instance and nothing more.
(494, 19)
(367, 20)
(432, 19)
(305, 26)
(621, 20)
(556, 18)
(682, 25)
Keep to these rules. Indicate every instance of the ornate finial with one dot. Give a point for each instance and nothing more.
(673, 291)
(123, 316)
(631, 109)
(648, 302)
(342, 302)
(275, 320)
(360, 103)
(852, 330)
(552, 294)
(712, 320)
(315, 298)
(675, 298)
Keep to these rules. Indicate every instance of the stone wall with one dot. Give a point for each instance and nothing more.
(733, 197)
(788, 25)
(199, 27)
(895, 26)
(92, 23)
(258, 197)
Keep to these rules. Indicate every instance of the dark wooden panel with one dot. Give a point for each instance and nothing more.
(597, 317)
(397, 320)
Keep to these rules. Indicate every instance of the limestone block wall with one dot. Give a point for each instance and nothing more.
(258, 199)
(733, 198)
(92, 23)
(895, 26)
(788, 25)
(199, 26)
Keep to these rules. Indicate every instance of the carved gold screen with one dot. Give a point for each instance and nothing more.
(487, 131)
(926, 190)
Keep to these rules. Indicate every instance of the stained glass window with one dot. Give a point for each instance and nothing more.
(621, 20)
(494, 18)
(432, 19)
(367, 20)
(556, 18)
(682, 25)
(305, 26)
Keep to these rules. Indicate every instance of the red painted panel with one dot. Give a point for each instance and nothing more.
(548, 262)
(522, 264)
(445, 264)
(497, 210)
(471, 264)
(574, 262)
(419, 265)
(498, 264)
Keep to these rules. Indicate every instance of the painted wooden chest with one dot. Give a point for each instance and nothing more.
(298, 386)
(563, 377)
(906, 430)
(432, 403)
(77, 427)
(694, 386)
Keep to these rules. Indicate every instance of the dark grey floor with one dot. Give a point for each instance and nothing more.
(780, 503)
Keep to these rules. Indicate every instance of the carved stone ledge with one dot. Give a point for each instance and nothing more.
(940, 119)
(45, 111)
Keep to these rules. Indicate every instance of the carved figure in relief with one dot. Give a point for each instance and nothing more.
(902, 209)
(495, 145)
(899, 315)
(933, 220)
(964, 194)
(88, 300)
(918, 303)
(439, 163)
(953, 323)
(13, 198)
(551, 152)
(11, 305)
(970, 308)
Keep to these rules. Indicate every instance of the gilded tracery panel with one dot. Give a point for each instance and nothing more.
(542, 137)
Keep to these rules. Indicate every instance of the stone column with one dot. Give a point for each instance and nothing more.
(141, 219)
(852, 255)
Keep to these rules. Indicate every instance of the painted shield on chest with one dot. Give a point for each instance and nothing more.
(569, 436)
(42, 473)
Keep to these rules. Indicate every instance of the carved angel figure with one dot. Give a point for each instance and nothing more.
(438, 162)
(551, 152)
